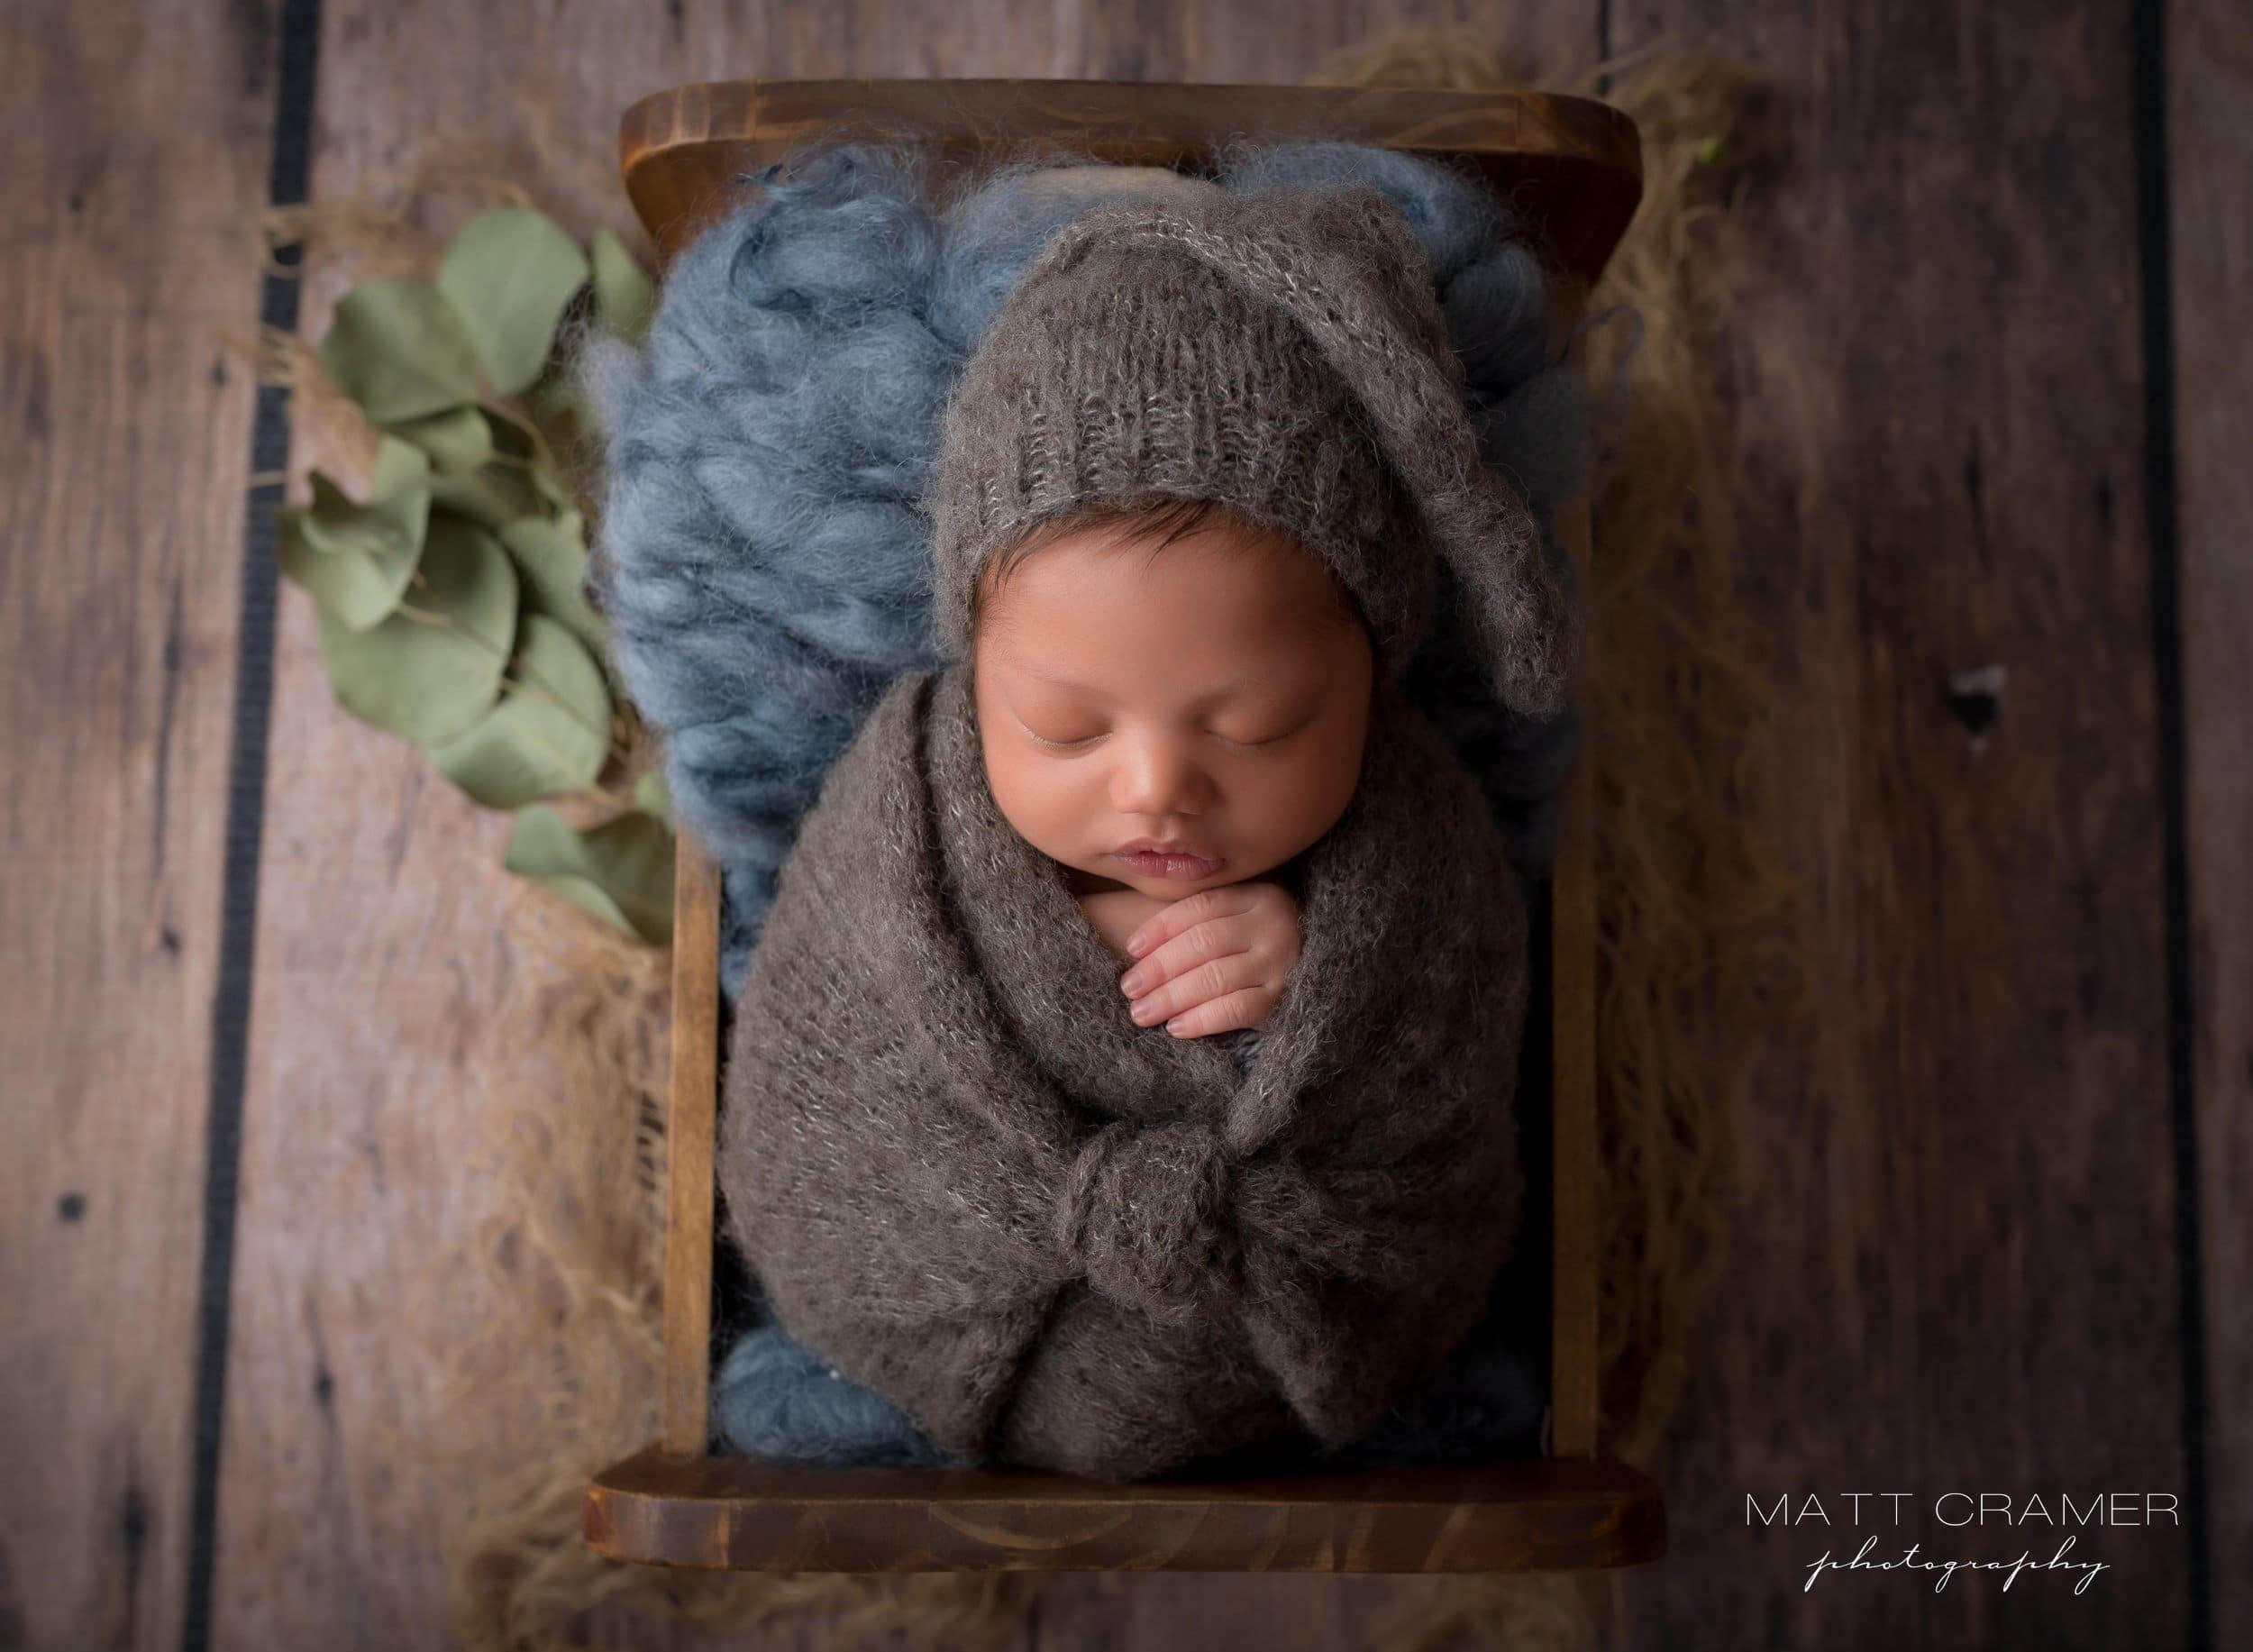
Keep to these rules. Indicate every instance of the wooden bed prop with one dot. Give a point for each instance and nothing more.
(1573, 164)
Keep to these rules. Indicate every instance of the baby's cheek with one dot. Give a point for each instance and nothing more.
(1045, 810)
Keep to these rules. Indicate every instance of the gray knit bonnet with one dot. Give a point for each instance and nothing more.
(1281, 353)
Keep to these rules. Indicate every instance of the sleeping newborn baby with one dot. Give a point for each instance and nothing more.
(993, 1138)
(1171, 702)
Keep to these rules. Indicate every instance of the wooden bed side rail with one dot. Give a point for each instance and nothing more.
(1576, 1230)
(691, 1111)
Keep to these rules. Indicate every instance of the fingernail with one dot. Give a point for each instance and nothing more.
(1133, 983)
(1138, 945)
(1174, 1026)
(1142, 1011)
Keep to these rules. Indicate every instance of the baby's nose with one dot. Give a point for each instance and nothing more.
(1159, 778)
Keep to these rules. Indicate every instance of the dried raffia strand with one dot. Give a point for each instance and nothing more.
(566, 1306)
(376, 229)
(281, 358)
(1686, 888)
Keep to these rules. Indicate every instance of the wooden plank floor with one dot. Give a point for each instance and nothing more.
(1988, 403)
(1960, 1267)
(127, 442)
(2210, 161)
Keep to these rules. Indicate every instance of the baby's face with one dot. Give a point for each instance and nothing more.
(1211, 700)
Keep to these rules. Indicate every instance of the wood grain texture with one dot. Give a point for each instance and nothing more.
(2209, 52)
(725, 1511)
(1575, 1375)
(127, 435)
(1570, 164)
(1956, 1266)
(693, 1093)
(383, 947)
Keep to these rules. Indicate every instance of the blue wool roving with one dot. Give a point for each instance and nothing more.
(776, 1400)
(760, 559)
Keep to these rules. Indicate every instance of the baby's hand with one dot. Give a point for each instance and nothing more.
(1214, 960)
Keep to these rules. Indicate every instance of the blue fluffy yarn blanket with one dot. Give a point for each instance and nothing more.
(766, 574)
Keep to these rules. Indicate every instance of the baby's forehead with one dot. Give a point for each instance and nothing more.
(1033, 665)
(1217, 570)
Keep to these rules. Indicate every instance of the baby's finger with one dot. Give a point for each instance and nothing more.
(1242, 1007)
(1214, 978)
(1179, 915)
(1215, 937)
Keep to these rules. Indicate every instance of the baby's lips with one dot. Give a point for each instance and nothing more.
(1180, 867)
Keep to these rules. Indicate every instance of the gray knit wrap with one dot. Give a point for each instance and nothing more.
(1059, 1240)
(1281, 353)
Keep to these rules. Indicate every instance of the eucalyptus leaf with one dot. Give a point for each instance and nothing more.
(507, 486)
(652, 794)
(512, 272)
(357, 559)
(549, 736)
(624, 296)
(622, 870)
(458, 441)
(550, 558)
(401, 351)
(492, 497)
(433, 666)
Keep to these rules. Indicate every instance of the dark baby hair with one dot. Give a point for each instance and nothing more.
(1155, 520)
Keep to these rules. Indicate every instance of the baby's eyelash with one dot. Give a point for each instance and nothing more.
(1255, 745)
(1075, 745)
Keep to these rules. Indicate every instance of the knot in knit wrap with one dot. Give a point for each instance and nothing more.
(1145, 1214)
(1283, 352)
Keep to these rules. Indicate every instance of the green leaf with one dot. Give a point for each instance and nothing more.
(512, 272)
(357, 559)
(622, 870)
(433, 666)
(651, 793)
(401, 351)
(458, 441)
(506, 488)
(492, 497)
(549, 736)
(551, 559)
(624, 296)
